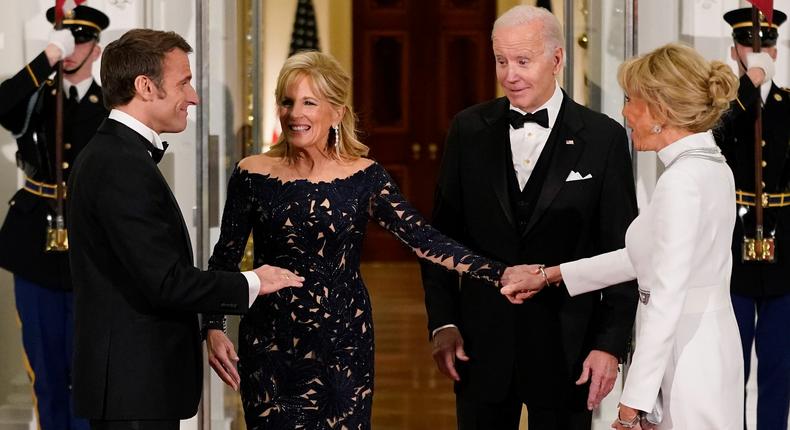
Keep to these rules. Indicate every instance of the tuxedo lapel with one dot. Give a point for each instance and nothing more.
(568, 148)
(127, 134)
(495, 154)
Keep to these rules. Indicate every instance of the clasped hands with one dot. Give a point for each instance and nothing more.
(521, 282)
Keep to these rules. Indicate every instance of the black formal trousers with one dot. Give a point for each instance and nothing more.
(136, 425)
(473, 414)
(536, 349)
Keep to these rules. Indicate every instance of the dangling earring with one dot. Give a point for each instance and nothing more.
(656, 129)
(336, 129)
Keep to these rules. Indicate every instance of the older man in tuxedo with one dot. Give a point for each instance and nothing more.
(138, 360)
(532, 177)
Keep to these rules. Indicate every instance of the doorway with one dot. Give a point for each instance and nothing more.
(416, 65)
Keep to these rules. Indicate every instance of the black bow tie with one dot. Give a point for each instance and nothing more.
(156, 153)
(517, 119)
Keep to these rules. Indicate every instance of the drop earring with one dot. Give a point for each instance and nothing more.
(336, 129)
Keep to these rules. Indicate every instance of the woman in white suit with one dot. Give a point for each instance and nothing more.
(687, 365)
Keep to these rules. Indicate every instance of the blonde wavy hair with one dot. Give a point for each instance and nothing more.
(330, 82)
(680, 86)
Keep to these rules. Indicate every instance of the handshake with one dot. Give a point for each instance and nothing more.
(519, 283)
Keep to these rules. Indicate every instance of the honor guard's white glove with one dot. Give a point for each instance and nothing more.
(763, 61)
(63, 40)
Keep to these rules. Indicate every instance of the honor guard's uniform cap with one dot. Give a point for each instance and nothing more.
(741, 22)
(85, 23)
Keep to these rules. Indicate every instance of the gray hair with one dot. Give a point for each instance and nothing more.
(523, 14)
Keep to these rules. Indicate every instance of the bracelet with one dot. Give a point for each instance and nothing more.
(629, 424)
(213, 323)
(543, 272)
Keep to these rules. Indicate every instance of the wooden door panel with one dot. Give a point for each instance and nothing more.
(385, 5)
(473, 5)
(387, 81)
(416, 64)
(465, 57)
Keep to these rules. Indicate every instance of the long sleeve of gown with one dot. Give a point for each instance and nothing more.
(234, 232)
(391, 210)
(595, 273)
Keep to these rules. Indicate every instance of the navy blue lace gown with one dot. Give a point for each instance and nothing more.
(306, 354)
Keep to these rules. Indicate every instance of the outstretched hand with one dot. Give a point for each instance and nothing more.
(521, 282)
(275, 279)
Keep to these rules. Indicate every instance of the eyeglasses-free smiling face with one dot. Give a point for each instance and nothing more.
(306, 116)
(524, 67)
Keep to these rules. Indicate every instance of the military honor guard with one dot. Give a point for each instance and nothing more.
(755, 138)
(32, 244)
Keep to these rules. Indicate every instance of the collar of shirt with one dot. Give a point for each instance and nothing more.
(552, 106)
(82, 87)
(694, 141)
(765, 89)
(141, 129)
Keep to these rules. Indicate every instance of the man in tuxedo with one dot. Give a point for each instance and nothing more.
(138, 360)
(532, 177)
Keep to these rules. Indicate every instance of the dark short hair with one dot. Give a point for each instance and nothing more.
(138, 52)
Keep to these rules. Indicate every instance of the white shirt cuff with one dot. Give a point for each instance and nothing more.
(254, 282)
(438, 329)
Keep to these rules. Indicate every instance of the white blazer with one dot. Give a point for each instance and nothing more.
(687, 359)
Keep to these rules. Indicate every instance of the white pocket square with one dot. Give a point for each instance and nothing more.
(576, 176)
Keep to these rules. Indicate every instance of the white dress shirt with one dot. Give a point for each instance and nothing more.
(765, 89)
(124, 118)
(527, 143)
(82, 87)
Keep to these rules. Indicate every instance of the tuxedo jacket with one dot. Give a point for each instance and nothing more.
(539, 346)
(27, 109)
(735, 136)
(137, 293)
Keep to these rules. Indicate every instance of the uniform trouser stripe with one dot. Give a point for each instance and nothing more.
(31, 375)
(47, 324)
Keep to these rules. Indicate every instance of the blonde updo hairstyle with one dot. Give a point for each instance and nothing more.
(330, 82)
(680, 87)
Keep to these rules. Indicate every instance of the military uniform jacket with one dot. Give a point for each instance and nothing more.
(735, 136)
(28, 111)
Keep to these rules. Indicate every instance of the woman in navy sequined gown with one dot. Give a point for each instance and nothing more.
(306, 354)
